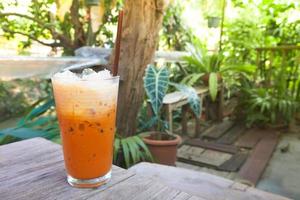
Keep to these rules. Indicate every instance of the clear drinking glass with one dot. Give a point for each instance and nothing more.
(86, 111)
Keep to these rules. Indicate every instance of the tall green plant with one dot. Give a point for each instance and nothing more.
(156, 83)
(40, 121)
(200, 62)
(273, 98)
(263, 106)
(129, 151)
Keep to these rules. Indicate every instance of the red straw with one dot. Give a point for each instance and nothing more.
(118, 44)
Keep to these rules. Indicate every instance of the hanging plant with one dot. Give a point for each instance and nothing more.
(213, 22)
(92, 2)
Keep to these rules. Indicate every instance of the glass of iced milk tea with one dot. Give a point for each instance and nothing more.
(86, 109)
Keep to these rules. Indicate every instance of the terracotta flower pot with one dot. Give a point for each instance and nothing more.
(163, 151)
(205, 78)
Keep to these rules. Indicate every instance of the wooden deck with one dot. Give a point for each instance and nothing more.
(34, 169)
(231, 148)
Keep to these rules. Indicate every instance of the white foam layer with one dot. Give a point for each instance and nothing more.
(87, 74)
(66, 75)
(79, 94)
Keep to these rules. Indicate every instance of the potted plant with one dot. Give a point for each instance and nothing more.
(213, 21)
(206, 66)
(161, 143)
(92, 2)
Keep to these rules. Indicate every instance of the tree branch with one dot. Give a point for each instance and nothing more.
(78, 26)
(65, 42)
(54, 44)
(41, 23)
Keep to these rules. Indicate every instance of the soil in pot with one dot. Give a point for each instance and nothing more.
(164, 150)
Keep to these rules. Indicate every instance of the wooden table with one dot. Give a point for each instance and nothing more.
(201, 184)
(34, 169)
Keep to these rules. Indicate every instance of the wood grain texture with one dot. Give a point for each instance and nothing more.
(202, 185)
(232, 134)
(213, 158)
(259, 158)
(141, 24)
(175, 97)
(210, 159)
(217, 130)
(213, 146)
(250, 138)
(34, 169)
(234, 163)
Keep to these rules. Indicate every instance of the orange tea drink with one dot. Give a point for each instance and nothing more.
(86, 111)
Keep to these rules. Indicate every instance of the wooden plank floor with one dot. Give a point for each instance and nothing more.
(202, 157)
(232, 134)
(240, 142)
(217, 130)
(250, 138)
(259, 158)
(212, 145)
(234, 163)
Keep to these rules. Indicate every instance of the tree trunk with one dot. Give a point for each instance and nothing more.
(141, 24)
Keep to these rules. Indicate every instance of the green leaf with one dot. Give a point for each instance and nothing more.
(133, 149)
(156, 83)
(116, 148)
(125, 152)
(195, 78)
(192, 79)
(141, 143)
(187, 79)
(150, 123)
(192, 97)
(37, 111)
(39, 122)
(7, 139)
(247, 68)
(213, 85)
(24, 133)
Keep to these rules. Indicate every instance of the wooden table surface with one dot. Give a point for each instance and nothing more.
(34, 169)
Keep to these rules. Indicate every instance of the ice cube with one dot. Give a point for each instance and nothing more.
(104, 74)
(66, 75)
(88, 74)
(87, 71)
